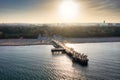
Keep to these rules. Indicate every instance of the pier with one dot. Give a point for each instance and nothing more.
(76, 56)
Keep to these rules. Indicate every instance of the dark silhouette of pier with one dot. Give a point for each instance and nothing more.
(62, 48)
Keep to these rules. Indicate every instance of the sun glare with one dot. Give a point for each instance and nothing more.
(69, 45)
(68, 9)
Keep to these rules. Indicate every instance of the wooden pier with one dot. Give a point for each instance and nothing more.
(76, 57)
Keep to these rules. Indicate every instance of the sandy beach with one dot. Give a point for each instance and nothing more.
(92, 40)
(23, 42)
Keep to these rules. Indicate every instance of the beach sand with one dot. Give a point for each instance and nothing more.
(23, 42)
(92, 40)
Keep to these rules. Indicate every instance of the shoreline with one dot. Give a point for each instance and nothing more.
(92, 40)
(22, 42)
(29, 42)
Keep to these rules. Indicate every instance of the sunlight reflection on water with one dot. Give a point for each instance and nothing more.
(38, 63)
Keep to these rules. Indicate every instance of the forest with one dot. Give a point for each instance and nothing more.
(32, 31)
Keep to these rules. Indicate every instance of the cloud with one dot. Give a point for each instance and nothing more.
(111, 5)
(47, 9)
(6, 5)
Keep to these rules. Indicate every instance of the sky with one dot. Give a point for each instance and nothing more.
(59, 11)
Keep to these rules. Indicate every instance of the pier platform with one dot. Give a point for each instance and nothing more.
(76, 56)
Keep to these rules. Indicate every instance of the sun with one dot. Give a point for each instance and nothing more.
(68, 9)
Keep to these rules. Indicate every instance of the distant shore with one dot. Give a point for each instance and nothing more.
(24, 42)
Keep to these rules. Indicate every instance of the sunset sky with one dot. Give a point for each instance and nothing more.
(59, 11)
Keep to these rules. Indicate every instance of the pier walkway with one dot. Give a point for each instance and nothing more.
(76, 57)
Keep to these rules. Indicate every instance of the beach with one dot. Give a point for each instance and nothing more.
(92, 40)
(23, 42)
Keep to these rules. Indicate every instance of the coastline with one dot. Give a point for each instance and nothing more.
(22, 42)
(93, 40)
(26, 42)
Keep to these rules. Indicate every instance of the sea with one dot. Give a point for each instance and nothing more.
(36, 62)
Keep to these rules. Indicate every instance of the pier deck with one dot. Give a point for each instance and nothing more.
(76, 57)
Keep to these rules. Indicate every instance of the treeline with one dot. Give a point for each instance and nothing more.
(77, 32)
(67, 31)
